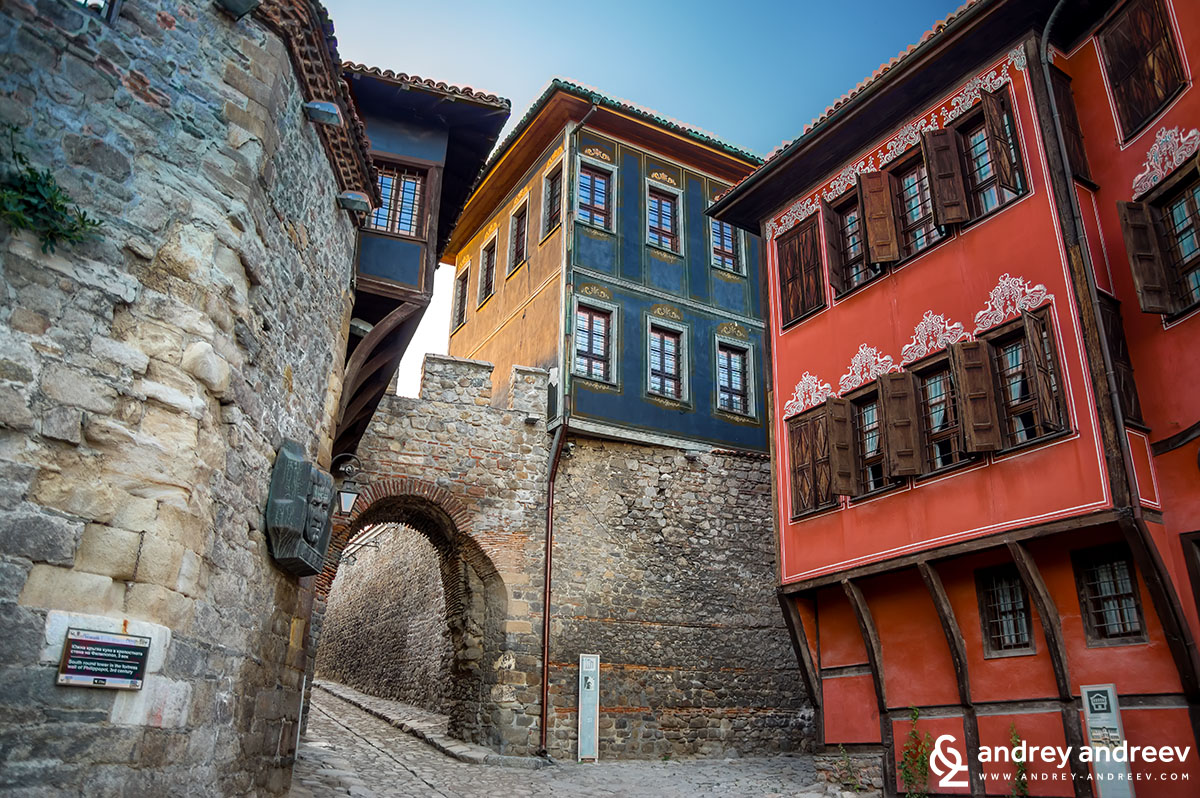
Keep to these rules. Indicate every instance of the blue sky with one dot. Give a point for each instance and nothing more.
(753, 73)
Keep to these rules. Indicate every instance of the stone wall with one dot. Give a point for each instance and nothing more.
(146, 381)
(385, 630)
(664, 565)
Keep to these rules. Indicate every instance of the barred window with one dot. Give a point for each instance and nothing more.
(592, 335)
(1181, 220)
(939, 418)
(665, 378)
(460, 300)
(986, 191)
(594, 186)
(724, 247)
(1108, 594)
(662, 219)
(400, 212)
(858, 269)
(553, 193)
(869, 434)
(1030, 401)
(1004, 612)
(732, 389)
(487, 271)
(916, 210)
(519, 236)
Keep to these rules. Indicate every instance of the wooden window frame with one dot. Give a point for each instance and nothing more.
(989, 613)
(461, 283)
(552, 207)
(923, 371)
(812, 271)
(718, 255)
(866, 395)
(722, 342)
(1082, 560)
(487, 271)
(609, 359)
(679, 331)
(1116, 74)
(663, 193)
(926, 222)
(518, 237)
(840, 237)
(1044, 376)
(818, 458)
(596, 167)
(391, 209)
(1158, 267)
(981, 120)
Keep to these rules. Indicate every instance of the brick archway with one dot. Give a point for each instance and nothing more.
(476, 598)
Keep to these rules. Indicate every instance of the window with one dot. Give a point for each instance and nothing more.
(662, 223)
(594, 189)
(487, 272)
(1162, 239)
(665, 379)
(518, 234)
(1142, 63)
(847, 247)
(1118, 348)
(1064, 99)
(1004, 612)
(460, 299)
(808, 448)
(986, 193)
(400, 212)
(940, 429)
(1108, 595)
(733, 391)
(593, 331)
(800, 285)
(725, 246)
(917, 227)
(552, 191)
(868, 431)
(1028, 380)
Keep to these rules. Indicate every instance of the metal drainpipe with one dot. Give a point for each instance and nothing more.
(560, 435)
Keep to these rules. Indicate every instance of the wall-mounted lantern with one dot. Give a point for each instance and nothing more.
(238, 8)
(323, 113)
(354, 201)
(345, 467)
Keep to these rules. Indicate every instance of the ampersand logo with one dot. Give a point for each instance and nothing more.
(947, 762)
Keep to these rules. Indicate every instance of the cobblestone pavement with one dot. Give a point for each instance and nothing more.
(350, 752)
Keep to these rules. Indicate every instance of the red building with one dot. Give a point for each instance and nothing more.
(983, 275)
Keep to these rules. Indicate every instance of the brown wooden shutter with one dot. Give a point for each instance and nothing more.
(901, 424)
(1145, 257)
(1044, 382)
(998, 143)
(844, 475)
(789, 275)
(943, 161)
(812, 285)
(971, 363)
(799, 440)
(833, 247)
(819, 441)
(878, 202)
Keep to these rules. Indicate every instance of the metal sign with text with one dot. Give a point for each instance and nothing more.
(103, 659)
(589, 706)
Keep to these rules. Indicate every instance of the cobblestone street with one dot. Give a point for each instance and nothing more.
(350, 752)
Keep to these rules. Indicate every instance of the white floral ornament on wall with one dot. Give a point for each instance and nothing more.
(1169, 150)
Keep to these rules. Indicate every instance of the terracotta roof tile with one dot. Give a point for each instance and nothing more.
(450, 90)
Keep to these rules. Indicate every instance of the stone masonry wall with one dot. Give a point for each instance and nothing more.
(664, 565)
(385, 629)
(146, 381)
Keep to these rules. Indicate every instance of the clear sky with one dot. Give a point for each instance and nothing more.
(751, 72)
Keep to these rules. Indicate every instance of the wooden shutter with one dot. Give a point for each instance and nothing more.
(812, 284)
(1064, 98)
(790, 296)
(997, 140)
(1036, 339)
(819, 440)
(971, 366)
(1145, 257)
(800, 450)
(943, 161)
(877, 199)
(843, 474)
(833, 247)
(901, 424)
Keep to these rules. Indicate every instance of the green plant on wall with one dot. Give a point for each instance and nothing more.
(31, 199)
(843, 771)
(914, 760)
(1020, 787)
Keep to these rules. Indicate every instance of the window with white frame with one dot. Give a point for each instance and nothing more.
(593, 342)
(666, 367)
(664, 216)
(594, 197)
(734, 378)
(725, 246)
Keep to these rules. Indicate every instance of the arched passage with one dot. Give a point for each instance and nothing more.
(474, 594)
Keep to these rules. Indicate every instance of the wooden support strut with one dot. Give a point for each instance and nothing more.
(808, 669)
(866, 625)
(958, 654)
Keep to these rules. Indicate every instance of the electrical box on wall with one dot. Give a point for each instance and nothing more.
(589, 706)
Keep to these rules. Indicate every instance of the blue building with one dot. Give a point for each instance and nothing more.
(585, 250)
(428, 142)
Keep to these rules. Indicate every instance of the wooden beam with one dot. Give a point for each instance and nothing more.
(870, 635)
(952, 550)
(808, 669)
(367, 346)
(1039, 594)
(958, 655)
(1073, 733)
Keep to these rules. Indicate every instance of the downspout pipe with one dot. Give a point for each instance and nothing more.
(1114, 394)
(556, 447)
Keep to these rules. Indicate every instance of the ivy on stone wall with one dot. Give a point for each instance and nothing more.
(31, 199)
